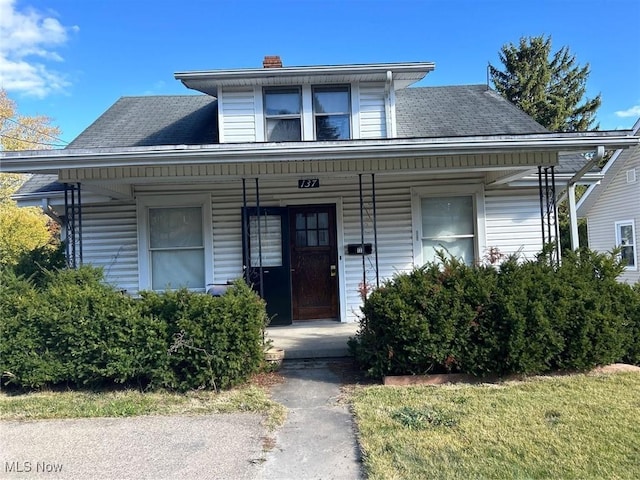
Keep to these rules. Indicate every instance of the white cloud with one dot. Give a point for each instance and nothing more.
(28, 40)
(630, 112)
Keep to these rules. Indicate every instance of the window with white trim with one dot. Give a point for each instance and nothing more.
(626, 241)
(450, 220)
(175, 243)
(332, 112)
(282, 111)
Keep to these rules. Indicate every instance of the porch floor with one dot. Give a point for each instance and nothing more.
(314, 339)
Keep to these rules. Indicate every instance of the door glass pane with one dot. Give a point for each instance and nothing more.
(300, 221)
(312, 220)
(177, 268)
(323, 220)
(312, 238)
(323, 237)
(447, 216)
(270, 240)
(175, 227)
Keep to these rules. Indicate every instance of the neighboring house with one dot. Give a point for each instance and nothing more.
(612, 209)
(315, 183)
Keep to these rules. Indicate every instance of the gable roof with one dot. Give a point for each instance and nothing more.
(610, 170)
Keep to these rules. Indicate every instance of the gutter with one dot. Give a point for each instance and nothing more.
(571, 193)
(50, 161)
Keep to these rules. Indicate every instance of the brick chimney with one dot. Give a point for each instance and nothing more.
(272, 61)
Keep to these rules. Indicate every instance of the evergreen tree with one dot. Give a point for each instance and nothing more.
(549, 88)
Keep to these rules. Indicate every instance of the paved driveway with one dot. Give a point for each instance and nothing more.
(198, 447)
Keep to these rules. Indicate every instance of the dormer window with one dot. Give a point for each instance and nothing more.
(282, 107)
(332, 112)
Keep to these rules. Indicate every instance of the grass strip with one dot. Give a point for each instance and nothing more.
(129, 403)
(573, 427)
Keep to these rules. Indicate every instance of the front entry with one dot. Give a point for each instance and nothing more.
(297, 273)
(314, 262)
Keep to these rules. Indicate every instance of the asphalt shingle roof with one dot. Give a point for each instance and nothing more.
(448, 111)
(461, 110)
(154, 120)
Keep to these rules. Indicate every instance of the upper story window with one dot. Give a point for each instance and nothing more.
(332, 112)
(282, 107)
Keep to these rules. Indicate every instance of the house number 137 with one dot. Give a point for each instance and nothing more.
(309, 183)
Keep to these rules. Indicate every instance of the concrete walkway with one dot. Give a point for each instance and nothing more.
(318, 440)
(313, 339)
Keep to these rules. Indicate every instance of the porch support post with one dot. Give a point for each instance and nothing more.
(79, 213)
(245, 228)
(556, 224)
(73, 225)
(573, 219)
(375, 226)
(364, 270)
(259, 215)
(541, 204)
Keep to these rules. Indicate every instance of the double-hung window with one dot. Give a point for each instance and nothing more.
(282, 107)
(626, 241)
(451, 222)
(175, 243)
(332, 112)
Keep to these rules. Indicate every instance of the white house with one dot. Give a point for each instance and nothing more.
(315, 183)
(612, 209)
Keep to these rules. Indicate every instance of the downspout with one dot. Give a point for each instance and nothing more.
(387, 104)
(571, 192)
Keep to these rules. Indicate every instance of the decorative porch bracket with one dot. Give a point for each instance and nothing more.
(549, 212)
(73, 224)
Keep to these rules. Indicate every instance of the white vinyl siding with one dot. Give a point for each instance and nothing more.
(619, 202)
(372, 111)
(237, 115)
(110, 241)
(513, 223)
(509, 222)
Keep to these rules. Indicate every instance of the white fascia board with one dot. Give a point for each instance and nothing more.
(209, 81)
(50, 161)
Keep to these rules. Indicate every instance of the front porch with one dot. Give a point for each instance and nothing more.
(314, 339)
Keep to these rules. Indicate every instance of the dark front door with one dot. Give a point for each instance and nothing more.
(266, 257)
(314, 262)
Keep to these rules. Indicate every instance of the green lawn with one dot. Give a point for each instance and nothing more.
(573, 427)
(128, 403)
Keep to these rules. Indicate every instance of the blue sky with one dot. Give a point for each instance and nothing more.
(72, 59)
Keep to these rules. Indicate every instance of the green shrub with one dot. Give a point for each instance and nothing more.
(522, 317)
(76, 330)
(214, 342)
(73, 329)
(418, 322)
(35, 263)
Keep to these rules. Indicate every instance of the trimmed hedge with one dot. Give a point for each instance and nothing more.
(520, 317)
(72, 329)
